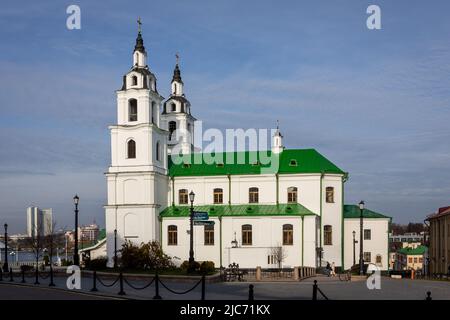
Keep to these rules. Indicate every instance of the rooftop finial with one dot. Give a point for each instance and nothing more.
(139, 24)
(177, 56)
(278, 124)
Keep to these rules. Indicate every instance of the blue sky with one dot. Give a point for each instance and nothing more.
(376, 103)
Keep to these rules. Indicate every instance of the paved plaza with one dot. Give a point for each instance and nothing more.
(333, 288)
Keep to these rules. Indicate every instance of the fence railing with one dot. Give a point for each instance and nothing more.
(245, 274)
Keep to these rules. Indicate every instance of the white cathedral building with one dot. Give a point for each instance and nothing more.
(298, 207)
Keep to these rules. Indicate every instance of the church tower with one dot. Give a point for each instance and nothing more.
(176, 117)
(277, 144)
(137, 177)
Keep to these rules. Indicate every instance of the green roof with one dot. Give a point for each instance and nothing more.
(252, 162)
(101, 235)
(420, 250)
(240, 210)
(352, 211)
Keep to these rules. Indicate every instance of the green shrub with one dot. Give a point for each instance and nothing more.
(185, 265)
(207, 267)
(147, 256)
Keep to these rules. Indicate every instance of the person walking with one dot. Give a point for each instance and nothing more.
(333, 272)
(328, 268)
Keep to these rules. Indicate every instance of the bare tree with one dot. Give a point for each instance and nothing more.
(52, 240)
(35, 243)
(279, 255)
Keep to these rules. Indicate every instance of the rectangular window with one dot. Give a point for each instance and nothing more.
(367, 257)
(420, 260)
(410, 260)
(218, 196)
(329, 197)
(209, 235)
(328, 235)
(415, 259)
(367, 234)
(183, 196)
(288, 235)
(172, 235)
(247, 235)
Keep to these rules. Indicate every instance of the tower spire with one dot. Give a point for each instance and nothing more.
(176, 72)
(139, 41)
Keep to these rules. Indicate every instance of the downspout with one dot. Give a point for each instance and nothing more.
(173, 190)
(303, 239)
(220, 235)
(229, 190)
(160, 218)
(277, 186)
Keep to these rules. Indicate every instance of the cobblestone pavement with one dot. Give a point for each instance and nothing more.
(333, 288)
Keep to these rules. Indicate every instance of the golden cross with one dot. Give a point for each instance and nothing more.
(177, 56)
(139, 24)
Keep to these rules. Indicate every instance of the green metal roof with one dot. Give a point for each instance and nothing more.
(240, 210)
(101, 234)
(420, 250)
(252, 162)
(352, 211)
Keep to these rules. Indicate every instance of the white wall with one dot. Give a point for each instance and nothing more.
(377, 245)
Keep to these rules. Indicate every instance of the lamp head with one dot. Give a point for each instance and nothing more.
(76, 199)
(191, 196)
(361, 205)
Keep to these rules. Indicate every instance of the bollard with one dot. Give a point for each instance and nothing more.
(258, 273)
(251, 294)
(203, 287)
(121, 292)
(11, 279)
(23, 275)
(94, 285)
(314, 296)
(157, 296)
(428, 298)
(296, 273)
(51, 284)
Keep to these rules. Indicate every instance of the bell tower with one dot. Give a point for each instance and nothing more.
(176, 116)
(137, 177)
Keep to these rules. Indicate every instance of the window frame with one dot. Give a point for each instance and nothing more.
(253, 195)
(131, 149)
(208, 235)
(172, 235)
(328, 235)
(329, 194)
(132, 114)
(183, 194)
(288, 234)
(367, 234)
(218, 196)
(247, 234)
(292, 195)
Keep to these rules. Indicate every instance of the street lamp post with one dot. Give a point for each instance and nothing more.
(115, 248)
(191, 234)
(361, 258)
(5, 265)
(76, 258)
(354, 247)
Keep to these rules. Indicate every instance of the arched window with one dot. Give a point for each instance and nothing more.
(209, 235)
(328, 235)
(174, 107)
(134, 80)
(329, 194)
(172, 128)
(253, 195)
(131, 149)
(288, 234)
(183, 196)
(158, 151)
(218, 196)
(292, 195)
(132, 110)
(247, 235)
(175, 88)
(172, 235)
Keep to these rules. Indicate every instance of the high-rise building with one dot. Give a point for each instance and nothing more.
(39, 221)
